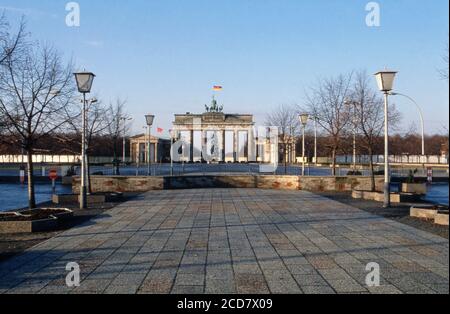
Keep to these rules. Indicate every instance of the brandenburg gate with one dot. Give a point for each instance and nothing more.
(215, 136)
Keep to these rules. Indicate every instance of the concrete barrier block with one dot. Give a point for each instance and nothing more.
(441, 219)
(104, 184)
(415, 188)
(423, 213)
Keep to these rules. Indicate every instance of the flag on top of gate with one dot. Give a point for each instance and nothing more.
(159, 130)
(217, 88)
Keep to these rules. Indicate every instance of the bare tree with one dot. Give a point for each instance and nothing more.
(35, 88)
(411, 130)
(445, 130)
(97, 124)
(444, 71)
(116, 128)
(369, 113)
(327, 102)
(286, 119)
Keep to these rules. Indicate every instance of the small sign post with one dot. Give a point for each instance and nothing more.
(22, 175)
(53, 175)
(430, 175)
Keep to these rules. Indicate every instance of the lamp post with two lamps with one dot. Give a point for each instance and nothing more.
(124, 144)
(385, 81)
(354, 104)
(422, 120)
(173, 137)
(315, 139)
(84, 83)
(149, 119)
(88, 177)
(304, 117)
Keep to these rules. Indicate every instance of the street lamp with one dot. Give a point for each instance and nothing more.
(315, 139)
(304, 117)
(385, 81)
(149, 119)
(422, 120)
(124, 144)
(351, 103)
(88, 177)
(84, 83)
(173, 135)
(283, 153)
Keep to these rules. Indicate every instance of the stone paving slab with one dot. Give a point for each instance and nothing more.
(233, 241)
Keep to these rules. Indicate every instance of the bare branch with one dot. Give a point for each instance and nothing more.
(444, 71)
(326, 102)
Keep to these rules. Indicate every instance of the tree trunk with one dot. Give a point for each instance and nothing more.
(334, 161)
(31, 196)
(88, 174)
(116, 170)
(372, 171)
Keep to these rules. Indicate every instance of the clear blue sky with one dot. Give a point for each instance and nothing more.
(164, 56)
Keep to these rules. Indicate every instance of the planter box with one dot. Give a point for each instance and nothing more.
(43, 225)
(423, 212)
(379, 196)
(94, 199)
(416, 188)
(441, 219)
(63, 199)
(66, 199)
(368, 195)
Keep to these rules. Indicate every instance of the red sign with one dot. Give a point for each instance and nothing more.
(53, 174)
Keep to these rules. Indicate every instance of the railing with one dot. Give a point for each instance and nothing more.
(51, 159)
(55, 159)
(398, 159)
(345, 160)
(204, 169)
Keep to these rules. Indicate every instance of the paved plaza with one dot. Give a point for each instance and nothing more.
(233, 241)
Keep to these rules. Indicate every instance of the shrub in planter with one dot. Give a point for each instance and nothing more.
(411, 176)
(71, 172)
(60, 213)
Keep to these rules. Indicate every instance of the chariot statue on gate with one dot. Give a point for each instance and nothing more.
(214, 107)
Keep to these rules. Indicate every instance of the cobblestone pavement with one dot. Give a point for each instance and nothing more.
(233, 241)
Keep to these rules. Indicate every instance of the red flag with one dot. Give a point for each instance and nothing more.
(159, 130)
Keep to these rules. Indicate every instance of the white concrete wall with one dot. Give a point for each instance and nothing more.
(57, 159)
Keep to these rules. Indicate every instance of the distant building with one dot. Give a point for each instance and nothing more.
(287, 151)
(159, 149)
